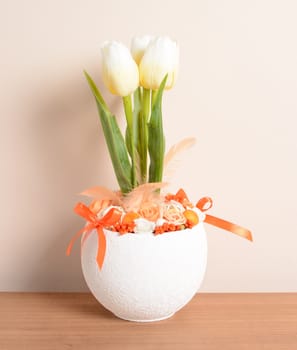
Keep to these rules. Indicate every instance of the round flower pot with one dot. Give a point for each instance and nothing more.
(146, 277)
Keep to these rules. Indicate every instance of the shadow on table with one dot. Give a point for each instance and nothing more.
(85, 304)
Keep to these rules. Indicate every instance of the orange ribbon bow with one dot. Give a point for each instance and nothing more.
(205, 203)
(94, 222)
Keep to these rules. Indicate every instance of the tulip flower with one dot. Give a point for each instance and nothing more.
(160, 59)
(139, 45)
(119, 70)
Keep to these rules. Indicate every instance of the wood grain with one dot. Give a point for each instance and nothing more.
(61, 321)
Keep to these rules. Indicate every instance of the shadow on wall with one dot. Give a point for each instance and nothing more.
(66, 152)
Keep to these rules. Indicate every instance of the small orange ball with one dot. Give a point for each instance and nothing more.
(130, 217)
(191, 216)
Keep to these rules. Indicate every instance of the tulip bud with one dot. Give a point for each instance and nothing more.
(139, 45)
(160, 58)
(119, 70)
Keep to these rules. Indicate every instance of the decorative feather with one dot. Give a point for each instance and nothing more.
(99, 192)
(143, 193)
(171, 157)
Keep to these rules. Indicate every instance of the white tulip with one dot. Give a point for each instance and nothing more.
(160, 58)
(120, 72)
(139, 45)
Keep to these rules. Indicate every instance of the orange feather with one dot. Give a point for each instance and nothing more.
(171, 157)
(99, 192)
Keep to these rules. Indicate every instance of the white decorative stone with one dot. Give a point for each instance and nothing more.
(160, 222)
(143, 226)
(146, 277)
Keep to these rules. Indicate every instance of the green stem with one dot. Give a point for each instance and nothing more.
(143, 133)
(154, 94)
(129, 117)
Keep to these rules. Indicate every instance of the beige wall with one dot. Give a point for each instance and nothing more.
(236, 93)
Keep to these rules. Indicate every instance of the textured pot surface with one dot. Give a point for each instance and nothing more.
(146, 277)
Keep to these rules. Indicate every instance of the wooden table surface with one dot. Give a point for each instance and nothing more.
(61, 321)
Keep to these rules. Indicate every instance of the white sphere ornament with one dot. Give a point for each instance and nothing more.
(146, 277)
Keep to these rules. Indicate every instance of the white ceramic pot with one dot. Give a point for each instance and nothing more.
(146, 277)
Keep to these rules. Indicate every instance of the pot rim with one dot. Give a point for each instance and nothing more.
(197, 227)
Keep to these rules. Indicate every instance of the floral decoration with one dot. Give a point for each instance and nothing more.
(139, 77)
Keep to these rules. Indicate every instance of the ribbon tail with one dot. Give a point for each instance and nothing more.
(76, 236)
(101, 247)
(229, 226)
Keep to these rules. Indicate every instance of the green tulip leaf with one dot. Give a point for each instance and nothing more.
(114, 140)
(156, 139)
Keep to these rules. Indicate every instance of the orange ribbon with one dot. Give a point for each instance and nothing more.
(205, 203)
(113, 216)
(94, 222)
